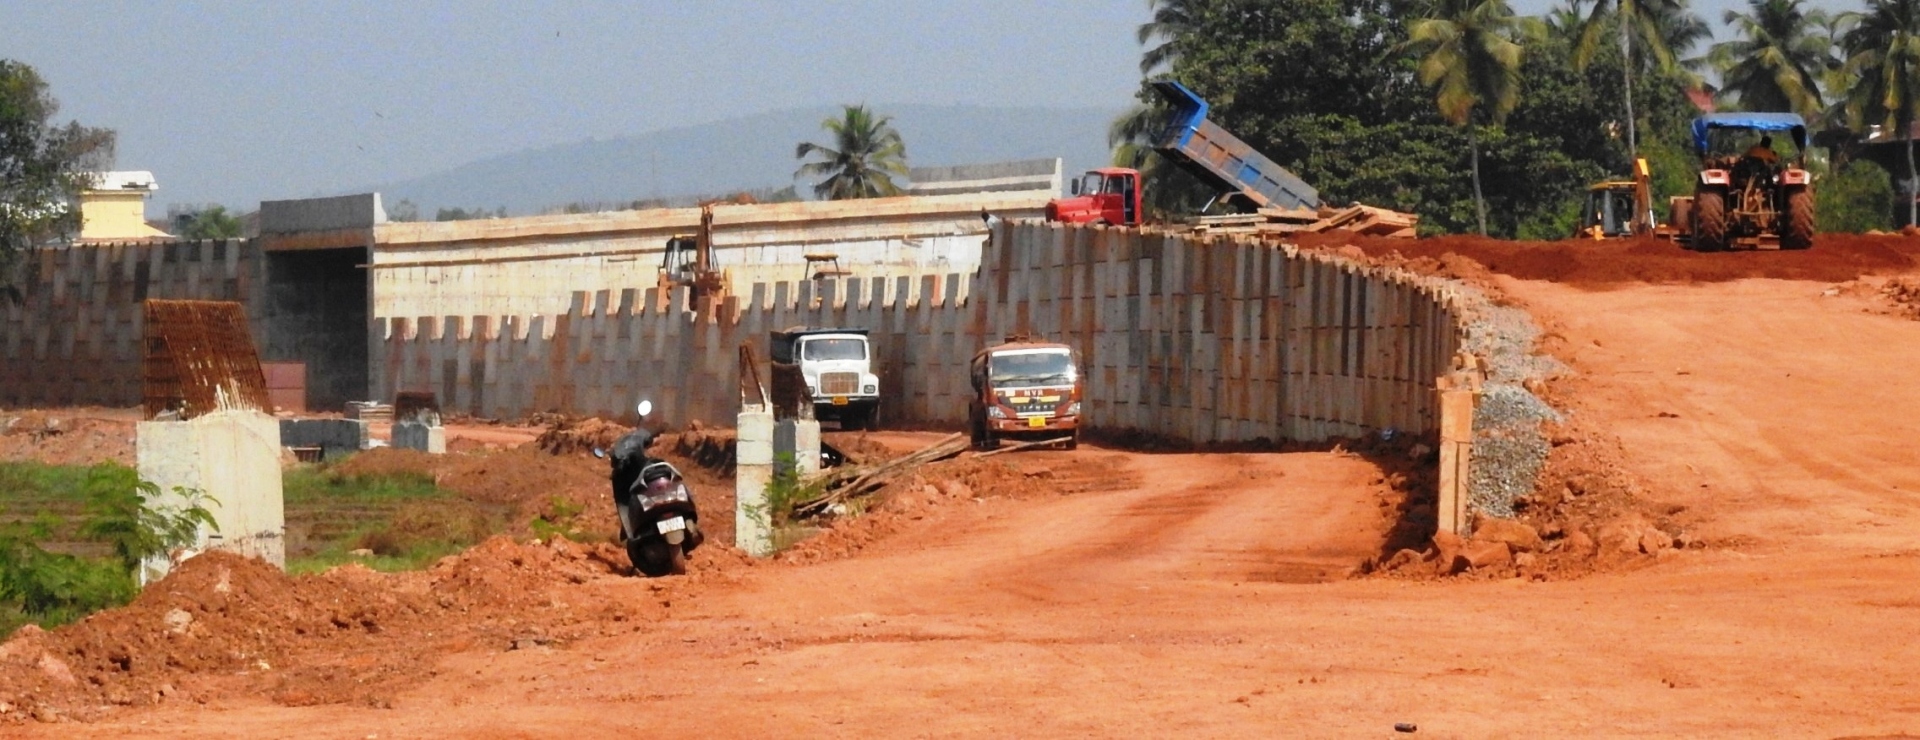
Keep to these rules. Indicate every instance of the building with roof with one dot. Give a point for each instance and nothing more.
(114, 209)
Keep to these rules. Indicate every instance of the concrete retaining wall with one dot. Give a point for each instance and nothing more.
(1198, 340)
(76, 339)
(528, 266)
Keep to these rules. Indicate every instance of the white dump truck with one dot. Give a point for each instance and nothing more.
(837, 364)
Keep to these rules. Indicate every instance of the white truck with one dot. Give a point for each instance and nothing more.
(837, 364)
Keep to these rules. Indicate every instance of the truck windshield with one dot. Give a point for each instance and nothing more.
(1026, 369)
(839, 348)
(1090, 185)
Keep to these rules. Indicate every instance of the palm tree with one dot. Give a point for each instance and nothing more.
(869, 154)
(1681, 30)
(1472, 61)
(1173, 21)
(1653, 22)
(1774, 62)
(1883, 51)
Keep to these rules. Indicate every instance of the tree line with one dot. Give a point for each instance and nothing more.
(1479, 119)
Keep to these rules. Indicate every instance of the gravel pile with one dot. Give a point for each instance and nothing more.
(1508, 447)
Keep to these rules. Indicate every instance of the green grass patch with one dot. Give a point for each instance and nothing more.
(322, 485)
(401, 520)
(26, 488)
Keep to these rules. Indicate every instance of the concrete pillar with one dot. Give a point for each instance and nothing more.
(1457, 392)
(797, 440)
(233, 458)
(753, 470)
(415, 435)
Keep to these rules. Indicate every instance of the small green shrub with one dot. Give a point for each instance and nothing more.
(559, 518)
(119, 511)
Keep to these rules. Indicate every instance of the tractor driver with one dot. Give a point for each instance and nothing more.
(1763, 152)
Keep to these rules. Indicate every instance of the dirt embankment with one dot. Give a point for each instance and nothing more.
(1613, 262)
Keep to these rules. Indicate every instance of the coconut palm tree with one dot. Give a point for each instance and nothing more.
(1681, 30)
(1775, 61)
(1471, 59)
(1883, 52)
(1172, 21)
(1653, 22)
(866, 154)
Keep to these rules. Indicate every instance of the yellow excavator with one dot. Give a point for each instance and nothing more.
(689, 263)
(1620, 208)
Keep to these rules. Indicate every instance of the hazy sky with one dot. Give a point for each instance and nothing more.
(234, 102)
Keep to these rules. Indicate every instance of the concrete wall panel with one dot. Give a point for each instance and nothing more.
(1211, 340)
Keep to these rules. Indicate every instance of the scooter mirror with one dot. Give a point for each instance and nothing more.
(599, 453)
(646, 407)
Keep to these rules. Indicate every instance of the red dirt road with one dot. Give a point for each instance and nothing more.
(1190, 594)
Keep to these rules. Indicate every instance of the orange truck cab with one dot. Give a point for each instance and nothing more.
(1110, 195)
(1025, 389)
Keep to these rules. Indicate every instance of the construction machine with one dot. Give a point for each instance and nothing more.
(1240, 174)
(1753, 199)
(1620, 208)
(688, 263)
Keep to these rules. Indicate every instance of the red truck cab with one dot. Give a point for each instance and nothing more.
(1110, 195)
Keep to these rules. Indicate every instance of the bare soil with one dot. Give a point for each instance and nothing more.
(1737, 401)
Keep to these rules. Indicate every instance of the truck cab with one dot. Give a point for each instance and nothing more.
(837, 364)
(1025, 389)
(1110, 195)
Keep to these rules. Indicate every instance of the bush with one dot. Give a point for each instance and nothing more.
(55, 588)
(1857, 198)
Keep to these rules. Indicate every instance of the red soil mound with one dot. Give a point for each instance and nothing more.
(1585, 262)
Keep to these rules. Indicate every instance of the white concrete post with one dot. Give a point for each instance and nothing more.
(232, 457)
(753, 470)
(797, 440)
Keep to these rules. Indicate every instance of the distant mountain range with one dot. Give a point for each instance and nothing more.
(751, 153)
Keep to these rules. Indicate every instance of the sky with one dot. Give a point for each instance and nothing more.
(237, 102)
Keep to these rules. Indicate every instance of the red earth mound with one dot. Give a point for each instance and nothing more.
(1589, 263)
(221, 624)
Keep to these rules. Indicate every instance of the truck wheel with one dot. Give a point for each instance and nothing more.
(1073, 441)
(1799, 231)
(1709, 221)
(871, 418)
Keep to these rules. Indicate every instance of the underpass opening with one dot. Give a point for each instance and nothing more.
(317, 303)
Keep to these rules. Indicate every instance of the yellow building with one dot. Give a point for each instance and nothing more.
(115, 208)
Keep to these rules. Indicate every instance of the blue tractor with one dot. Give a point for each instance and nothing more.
(1750, 198)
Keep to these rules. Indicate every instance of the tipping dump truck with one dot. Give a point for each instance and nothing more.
(1272, 199)
(1218, 158)
(1241, 175)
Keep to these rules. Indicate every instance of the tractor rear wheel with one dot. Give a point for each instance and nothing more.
(1709, 221)
(1799, 227)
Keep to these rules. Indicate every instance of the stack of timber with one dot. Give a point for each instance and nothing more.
(1356, 219)
(849, 481)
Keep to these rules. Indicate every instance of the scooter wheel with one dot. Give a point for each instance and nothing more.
(654, 557)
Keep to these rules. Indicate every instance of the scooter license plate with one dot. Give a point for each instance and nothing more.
(673, 525)
(1037, 422)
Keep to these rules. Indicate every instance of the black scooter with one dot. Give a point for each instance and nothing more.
(659, 523)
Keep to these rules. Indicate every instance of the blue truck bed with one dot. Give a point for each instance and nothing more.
(1219, 158)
